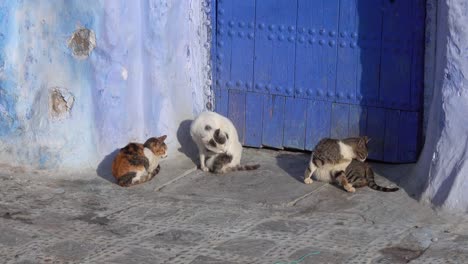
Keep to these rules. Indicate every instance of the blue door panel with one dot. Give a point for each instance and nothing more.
(275, 31)
(223, 45)
(273, 118)
(253, 119)
(241, 30)
(290, 72)
(395, 77)
(409, 129)
(221, 101)
(376, 131)
(392, 120)
(347, 83)
(318, 122)
(339, 120)
(236, 112)
(368, 52)
(295, 117)
(417, 70)
(357, 121)
(317, 31)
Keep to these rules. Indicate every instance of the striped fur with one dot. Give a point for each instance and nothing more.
(332, 155)
(222, 160)
(246, 167)
(359, 174)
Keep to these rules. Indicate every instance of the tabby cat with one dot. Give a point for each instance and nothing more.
(359, 174)
(331, 156)
(218, 143)
(138, 163)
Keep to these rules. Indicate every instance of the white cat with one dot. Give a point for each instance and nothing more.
(218, 143)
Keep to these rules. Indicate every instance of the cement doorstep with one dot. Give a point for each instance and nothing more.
(268, 185)
(188, 216)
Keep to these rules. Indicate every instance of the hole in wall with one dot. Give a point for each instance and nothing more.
(60, 103)
(82, 43)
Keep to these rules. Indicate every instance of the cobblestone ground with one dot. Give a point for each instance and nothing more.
(187, 216)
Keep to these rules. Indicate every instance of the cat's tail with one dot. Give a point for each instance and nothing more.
(373, 185)
(246, 167)
(376, 187)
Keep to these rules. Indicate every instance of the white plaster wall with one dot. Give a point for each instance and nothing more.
(441, 175)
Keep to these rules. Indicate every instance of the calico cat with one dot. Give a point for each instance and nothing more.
(138, 163)
(359, 174)
(218, 144)
(332, 155)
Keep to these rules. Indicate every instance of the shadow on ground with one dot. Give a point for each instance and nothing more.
(187, 146)
(400, 174)
(294, 164)
(104, 169)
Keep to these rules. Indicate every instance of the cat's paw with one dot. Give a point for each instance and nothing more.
(205, 169)
(350, 189)
(308, 181)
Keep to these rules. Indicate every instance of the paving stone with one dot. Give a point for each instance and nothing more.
(351, 236)
(397, 255)
(187, 216)
(180, 237)
(209, 260)
(315, 255)
(10, 237)
(136, 255)
(70, 250)
(418, 239)
(246, 246)
(216, 218)
(294, 227)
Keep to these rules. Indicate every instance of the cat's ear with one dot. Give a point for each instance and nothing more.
(367, 139)
(162, 138)
(363, 141)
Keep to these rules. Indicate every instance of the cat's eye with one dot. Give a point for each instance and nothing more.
(227, 136)
(207, 127)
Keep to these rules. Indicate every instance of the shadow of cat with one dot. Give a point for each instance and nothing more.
(399, 174)
(294, 164)
(104, 169)
(187, 146)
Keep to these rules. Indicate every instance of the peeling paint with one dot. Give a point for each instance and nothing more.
(60, 103)
(82, 78)
(82, 43)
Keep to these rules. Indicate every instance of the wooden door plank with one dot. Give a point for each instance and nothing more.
(253, 119)
(273, 117)
(318, 122)
(295, 114)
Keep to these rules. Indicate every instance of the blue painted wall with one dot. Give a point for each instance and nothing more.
(143, 78)
(441, 175)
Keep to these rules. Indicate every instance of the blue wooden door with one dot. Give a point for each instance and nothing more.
(290, 72)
